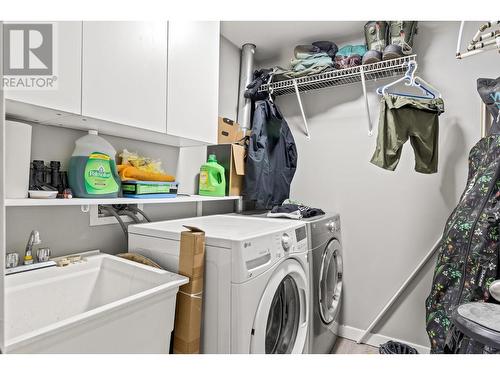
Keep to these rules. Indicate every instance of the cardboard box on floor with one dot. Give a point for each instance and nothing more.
(187, 328)
(228, 131)
(232, 158)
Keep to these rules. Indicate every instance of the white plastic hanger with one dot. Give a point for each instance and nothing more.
(410, 79)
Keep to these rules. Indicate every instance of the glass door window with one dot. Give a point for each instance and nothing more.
(283, 319)
(330, 283)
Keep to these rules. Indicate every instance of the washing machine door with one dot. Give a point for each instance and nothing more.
(281, 320)
(330, 281)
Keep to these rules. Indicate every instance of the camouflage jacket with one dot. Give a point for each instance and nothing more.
(468, 253)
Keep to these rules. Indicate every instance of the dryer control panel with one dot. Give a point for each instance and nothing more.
(254, 257)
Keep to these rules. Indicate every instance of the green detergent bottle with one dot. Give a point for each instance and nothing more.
(92, 168)
(212, 178)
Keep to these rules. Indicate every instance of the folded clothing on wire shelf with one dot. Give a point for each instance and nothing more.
(309, 59)
(318, 59)
(305, 50)
(349, 56)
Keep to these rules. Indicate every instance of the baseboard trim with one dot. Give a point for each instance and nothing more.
(375, 339)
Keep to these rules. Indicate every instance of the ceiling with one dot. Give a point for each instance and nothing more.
(270, 36)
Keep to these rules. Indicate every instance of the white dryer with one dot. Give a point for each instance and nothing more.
(256, 297)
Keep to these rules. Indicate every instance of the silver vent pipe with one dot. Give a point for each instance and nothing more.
(246, 76)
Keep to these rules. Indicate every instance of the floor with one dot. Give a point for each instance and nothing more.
(345, 346)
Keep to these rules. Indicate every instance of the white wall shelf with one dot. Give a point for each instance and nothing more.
(341, 77)
(27, 202)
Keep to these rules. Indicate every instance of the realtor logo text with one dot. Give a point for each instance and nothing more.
(28, 58)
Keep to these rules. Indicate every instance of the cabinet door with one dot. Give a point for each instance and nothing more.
(193, 80)
(66, 96)
(125, 73)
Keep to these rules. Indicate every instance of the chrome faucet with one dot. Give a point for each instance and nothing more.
(33, 240)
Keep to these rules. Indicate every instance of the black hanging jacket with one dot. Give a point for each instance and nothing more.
(272, 157)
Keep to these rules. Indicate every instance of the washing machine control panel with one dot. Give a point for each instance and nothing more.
(292, 241)
(257, 255)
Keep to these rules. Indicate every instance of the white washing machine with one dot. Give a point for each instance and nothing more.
(256, 296)
(325, 279)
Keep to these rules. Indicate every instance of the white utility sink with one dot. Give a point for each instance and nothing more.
(104, 304)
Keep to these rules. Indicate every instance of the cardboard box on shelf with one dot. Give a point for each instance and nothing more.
(228, 131)
(187, 328)
(232, 158)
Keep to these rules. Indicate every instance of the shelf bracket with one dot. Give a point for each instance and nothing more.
(238, 205)
(367, 107)
(297, 92)
(199, 208)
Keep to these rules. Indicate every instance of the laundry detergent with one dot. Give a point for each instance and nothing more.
(92, 169)
(212, 178)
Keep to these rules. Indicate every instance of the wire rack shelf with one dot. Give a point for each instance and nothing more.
(341, 77)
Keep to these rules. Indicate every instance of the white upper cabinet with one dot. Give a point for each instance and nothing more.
(160, 79)
(124, 77)
(193, 80)
(66, 96)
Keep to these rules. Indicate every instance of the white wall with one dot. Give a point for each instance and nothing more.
(66, 229)
(229, 78)
(390, 220)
